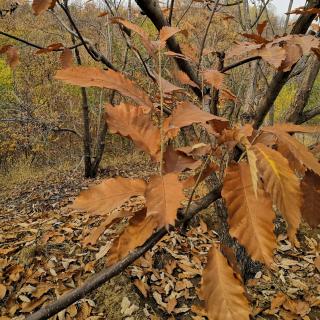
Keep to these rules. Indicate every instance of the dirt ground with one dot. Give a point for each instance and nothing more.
(44, 253)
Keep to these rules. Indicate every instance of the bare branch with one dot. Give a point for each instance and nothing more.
(308, 115)
(171, 12)
(33, 44)
(203, 42)
(239, 63)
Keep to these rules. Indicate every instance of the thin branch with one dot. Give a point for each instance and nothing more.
(260, 13)
(100, 278)
(57, 130)
(35, 45)
(229, 4)
(239, 63)
(203, 42)
(185, 12)
(308, 115)
(285, 27)
(74, 26)
(93, 52)
(171, 12)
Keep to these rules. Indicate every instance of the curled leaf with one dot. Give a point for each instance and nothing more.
(135, 123)
(95, 77)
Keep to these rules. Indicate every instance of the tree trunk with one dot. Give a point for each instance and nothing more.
(295, 112)
(86, 124)
(280, 78)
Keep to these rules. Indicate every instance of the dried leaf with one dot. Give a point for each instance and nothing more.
(250, 218)
(12, 55)
(133, 122)
(310, 186)
(95, 77)
(28, 307)
(214, 78)
(274, 55)
(142, 286)
(40, 6)
(222, 292)
(299, 151)
(103, 251)
(291, 128)
(66, 58)
(317, 263)
(41, 289)
(184, 78)
(187, 113)
(140, 228)
(252, 161)
(3, 290)
(261, 26)
(109, 195)
(282, 185)
(163, 198)
(171, 305)
(167, 32)
(191, 181)
(95, 233)
(51, 47)
(177, 161)
(151, 48)
(278, 300)
(196, 150)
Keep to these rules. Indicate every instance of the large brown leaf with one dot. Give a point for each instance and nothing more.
(299, 151)
(186, 114)
(109, 195)
(95, 77)
(39, 6)
(282, 184)
(177, 161)
(222, 292)
(163, 198)
(135, 123)
(140, 228)
(310, 186)
(250, 218)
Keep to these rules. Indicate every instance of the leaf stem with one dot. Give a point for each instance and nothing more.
(161, 113)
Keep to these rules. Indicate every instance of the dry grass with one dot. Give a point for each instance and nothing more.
(24, 171)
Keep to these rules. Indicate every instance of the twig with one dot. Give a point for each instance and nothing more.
(260, 13)
(171, 12)
(185, 12)
(35, 45)
(203, 42)
(161, 111)
(239, 63)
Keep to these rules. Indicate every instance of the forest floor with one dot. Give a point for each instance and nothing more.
(44, 252)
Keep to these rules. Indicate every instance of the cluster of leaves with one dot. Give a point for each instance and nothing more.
(275, 173)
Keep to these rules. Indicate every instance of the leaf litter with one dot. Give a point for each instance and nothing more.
(42, 256)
